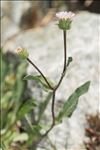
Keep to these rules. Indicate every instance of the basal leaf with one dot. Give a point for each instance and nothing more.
(19, 86)
(25, 108)
(35, 134)
(71, 103)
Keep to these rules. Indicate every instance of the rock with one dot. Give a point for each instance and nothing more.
(16, 17)
(45, 46)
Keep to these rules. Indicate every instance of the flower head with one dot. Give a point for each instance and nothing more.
(23, 53)
(65, 15)
(65, 19)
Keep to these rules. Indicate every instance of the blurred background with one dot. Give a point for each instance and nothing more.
(32, 24)
(22, 15)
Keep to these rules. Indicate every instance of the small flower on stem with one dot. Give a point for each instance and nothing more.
(22, 52)
(65, 18)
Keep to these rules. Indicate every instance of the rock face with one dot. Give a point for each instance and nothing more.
(45, 46)
(19, 15)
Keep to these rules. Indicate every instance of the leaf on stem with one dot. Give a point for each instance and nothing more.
(40, 80)
(70, 59)
(71, 103)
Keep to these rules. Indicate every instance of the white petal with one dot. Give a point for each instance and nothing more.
(65, 15)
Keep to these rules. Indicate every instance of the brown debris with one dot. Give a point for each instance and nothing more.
(93, 133)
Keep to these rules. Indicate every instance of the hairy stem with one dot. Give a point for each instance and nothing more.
(65, 59)
(40, 73)
(57, 86)
(65, 51)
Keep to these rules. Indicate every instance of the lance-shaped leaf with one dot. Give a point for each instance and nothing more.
(40, 80)
(26, 108)
(71, 104)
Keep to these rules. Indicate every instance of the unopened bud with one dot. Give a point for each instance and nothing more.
(22, 52)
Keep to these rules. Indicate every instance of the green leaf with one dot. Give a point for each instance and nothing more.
(70, 59)
(19, 85)
(25, 108)
(36, 129)
(71, 104)
(43, 106)
(35, 134)
(39, 79)
(5, 99)
(3, 146)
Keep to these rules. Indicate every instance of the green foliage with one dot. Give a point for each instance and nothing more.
(39, 79)
(71, 104)
(17, 107)
(12, 89)
(25, 108)
(22, 114)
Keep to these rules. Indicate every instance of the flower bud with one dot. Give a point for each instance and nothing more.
(22, 52)
(65, 19)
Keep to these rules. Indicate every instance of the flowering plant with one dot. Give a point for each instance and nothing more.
(65, 19)
(64, 23)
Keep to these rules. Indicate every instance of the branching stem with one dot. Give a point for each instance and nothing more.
(40, 73)
(54, 89)
(57, 86)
